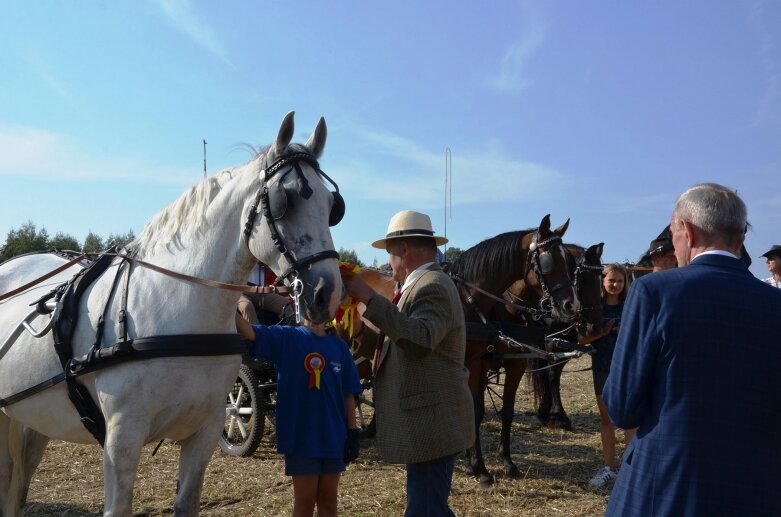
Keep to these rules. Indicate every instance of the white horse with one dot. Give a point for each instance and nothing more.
(276, 209)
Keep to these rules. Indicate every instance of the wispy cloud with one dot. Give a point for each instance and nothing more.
(39, 67)
(769, 104)
(181, 15)
(478, 175)
(512, 77)
(33, 153)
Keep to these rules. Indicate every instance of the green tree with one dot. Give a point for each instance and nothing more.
(63, 241)
(349, 256)
(92, 243)
(24, 240)
(121, 240)
(452, 253)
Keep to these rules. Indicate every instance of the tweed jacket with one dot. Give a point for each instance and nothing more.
(696, 368)
(423, 405)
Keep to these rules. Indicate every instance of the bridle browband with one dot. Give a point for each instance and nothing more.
(262, 200)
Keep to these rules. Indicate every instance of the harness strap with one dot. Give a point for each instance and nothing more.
(44, 277)
(256, 289)
(179, 345)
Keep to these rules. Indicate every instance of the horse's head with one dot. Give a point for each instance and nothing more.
(586, 271)
(287, 223)
(548, 273)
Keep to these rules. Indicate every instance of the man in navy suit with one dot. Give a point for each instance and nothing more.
(696, 368)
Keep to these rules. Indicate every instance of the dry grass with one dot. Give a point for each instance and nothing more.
(556, 467)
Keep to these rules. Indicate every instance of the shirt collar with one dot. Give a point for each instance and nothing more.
(412, 277)
(723, 253)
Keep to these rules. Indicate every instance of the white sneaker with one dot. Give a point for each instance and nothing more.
(603, 477)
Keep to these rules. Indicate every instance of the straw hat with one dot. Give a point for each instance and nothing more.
(775, 249)
(408, 223)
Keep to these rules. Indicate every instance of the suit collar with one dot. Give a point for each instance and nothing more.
(718, 261)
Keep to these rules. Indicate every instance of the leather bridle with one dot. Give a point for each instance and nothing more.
(582, 268)
(536, 259)
(262, 199)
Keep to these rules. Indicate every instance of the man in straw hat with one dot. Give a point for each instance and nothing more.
(773, 256)
(423, 405)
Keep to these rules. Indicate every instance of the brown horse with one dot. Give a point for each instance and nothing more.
(585, 266)
(361, 335)
(482, 274)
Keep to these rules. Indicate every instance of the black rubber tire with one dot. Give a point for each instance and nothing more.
(245, 416)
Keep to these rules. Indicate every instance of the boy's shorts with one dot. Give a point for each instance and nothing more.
(296, 465)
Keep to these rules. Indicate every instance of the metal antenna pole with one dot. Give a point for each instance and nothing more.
(204, 159)
(448, 179)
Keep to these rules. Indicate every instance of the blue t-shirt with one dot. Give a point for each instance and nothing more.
(314, 374)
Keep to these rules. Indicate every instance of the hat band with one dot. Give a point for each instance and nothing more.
(401, 233)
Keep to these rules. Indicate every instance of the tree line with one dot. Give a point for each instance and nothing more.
(29, 238)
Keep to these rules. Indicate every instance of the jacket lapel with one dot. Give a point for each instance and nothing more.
(402, 301)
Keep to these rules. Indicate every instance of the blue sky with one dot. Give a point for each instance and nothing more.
(601, 112)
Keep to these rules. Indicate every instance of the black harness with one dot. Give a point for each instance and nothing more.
(69, 296)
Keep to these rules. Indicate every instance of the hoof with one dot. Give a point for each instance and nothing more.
(559, 422)
(512, 471)
(486, 480)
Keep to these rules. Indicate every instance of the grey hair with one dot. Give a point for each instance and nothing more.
(715, 209)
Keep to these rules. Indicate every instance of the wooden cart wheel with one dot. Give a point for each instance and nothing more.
(245, 415)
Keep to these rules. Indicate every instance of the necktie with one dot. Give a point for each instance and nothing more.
(381, 337)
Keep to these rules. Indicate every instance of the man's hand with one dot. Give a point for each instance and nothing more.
(356, 287)
(352, 445)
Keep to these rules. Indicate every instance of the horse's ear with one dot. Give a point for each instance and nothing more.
(316, 142)
(545, 225)
(285, 134)
(595, 250)
(561, 229)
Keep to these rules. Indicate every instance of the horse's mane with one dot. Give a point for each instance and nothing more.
(185, 216)
(499, 253)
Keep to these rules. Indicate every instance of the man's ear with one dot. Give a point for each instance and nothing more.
(690, 233)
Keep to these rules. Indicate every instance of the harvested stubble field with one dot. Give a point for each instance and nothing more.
(556, 467)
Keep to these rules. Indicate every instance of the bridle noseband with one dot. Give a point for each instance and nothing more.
(273, 209)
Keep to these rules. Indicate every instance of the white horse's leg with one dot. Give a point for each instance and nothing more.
(34, 446)
(6, 465)
(196, 452)
(121, 454)
(11, 466)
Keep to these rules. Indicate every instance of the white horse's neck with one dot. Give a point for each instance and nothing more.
(211, 248)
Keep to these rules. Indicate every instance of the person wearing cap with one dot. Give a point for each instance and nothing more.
(661, 252)
(773, 256)
(423, 405)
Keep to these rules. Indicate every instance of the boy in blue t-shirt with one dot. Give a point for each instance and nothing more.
(316, 388)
